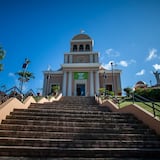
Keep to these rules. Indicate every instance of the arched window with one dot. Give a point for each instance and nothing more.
(87, 47)
(74, 47)
(81, 48)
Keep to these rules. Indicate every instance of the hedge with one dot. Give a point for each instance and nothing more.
(150, 93)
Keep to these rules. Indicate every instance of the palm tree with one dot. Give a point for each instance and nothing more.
(24, 75)
(2, 54)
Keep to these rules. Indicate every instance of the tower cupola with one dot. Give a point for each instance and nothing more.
(81, 43)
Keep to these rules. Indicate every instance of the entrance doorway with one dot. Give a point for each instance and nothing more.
(109, 87)
(80, 89)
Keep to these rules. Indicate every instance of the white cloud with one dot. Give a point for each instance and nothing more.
(11, 74)
(108, 65)
(152, 54)
(108, 51)
(132, 61)
(112, 53)
(156, 66)
(140, 73)
(123, 63)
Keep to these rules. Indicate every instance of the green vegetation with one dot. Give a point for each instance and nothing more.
(128, 91)
(2, 54)
(150, 93)
(103, 92)
(55, 89)
(141, 104)
(24, 75)
(125, 103)
(144, 106)
(37, 98)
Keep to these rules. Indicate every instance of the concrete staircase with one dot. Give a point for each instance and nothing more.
(75, 128)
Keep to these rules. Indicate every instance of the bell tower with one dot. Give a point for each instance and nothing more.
(81, 43)
(81, 73)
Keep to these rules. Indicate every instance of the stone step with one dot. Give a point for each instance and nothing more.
(73, 124)
(75, 113)
(71, 107)
(59, 110)
(74, 118)
(68, 114)
(78, 100)
(74, 129)
(70, 143)
(78, 152)
(69, 158)
(77, 135)
(76, 103)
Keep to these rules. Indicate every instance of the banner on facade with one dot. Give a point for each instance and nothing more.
(80, 75)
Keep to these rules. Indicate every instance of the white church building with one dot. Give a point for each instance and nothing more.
(81, 74)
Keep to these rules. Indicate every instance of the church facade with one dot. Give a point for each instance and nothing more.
(81, 74)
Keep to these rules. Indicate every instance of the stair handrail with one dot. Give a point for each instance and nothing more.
(7, 94)
(118, 100)
(139, 98)
(144, 100)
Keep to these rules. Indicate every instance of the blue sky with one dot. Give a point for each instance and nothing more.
(124, 31)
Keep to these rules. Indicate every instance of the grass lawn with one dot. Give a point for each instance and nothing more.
(126, 103)
(149, 108)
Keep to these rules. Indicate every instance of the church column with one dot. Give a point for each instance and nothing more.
(48, 84)
(70, 84)
(45, 85)
(91, 58)
(97, 82)
(70, 58)
(91, 84)
(64, 83)
(118, 83)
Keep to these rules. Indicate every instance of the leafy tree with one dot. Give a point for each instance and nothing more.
(2, 54)
(24, 75)
(128, 91)
(55, 89)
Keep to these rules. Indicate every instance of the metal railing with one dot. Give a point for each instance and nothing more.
(14, 92)
(137, 98)
(148, 102)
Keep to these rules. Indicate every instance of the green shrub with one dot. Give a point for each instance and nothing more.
(101, 90)
(128, 91)
(151, 93)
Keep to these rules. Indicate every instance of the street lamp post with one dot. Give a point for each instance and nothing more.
(112, 79)
(104, 77)
(47, 88)
(24, 68)
(150, 83)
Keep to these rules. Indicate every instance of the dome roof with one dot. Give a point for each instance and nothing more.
(81, 36)
(141, 82)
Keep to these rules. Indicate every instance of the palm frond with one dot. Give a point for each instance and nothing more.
(2, 53)
(1, 67)
(27, 75)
